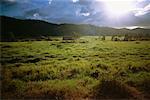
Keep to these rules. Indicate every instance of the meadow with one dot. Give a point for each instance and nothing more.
(87, 68)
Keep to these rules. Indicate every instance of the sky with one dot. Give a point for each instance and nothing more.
(110, 13)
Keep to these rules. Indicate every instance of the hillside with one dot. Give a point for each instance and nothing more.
(20, 29)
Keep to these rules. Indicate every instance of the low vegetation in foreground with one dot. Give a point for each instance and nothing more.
(87, 68)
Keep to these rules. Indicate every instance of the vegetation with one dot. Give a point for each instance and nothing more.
(87, 68)
(15, 30)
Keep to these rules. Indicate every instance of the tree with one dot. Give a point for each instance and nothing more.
(103, 37)
(112, 38)
(76, 35)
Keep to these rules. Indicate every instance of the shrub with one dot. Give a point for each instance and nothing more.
(95, 74)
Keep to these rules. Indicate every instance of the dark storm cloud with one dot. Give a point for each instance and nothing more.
(8, 3)
(72, 11)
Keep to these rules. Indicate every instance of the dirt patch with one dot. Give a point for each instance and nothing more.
(112, 89)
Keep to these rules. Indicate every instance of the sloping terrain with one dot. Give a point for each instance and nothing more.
(13, 29)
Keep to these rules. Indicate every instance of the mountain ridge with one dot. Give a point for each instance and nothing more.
(29, 28)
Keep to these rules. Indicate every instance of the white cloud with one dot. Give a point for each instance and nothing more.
(114, 0)
(74, 1)
(36, 15)
(49, 2)
(85, 14)
(147, 8)
(79, 13)
(133, 27)
(142, 11)
(140, 1)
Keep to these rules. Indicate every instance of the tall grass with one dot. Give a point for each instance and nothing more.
(60, 70)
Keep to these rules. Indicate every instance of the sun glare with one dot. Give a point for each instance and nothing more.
(118, 8)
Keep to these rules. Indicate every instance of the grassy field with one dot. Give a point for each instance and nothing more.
(87, 68)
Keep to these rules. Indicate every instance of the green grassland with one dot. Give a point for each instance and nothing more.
(87, 68)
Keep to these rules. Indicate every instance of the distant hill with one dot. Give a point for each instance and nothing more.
(20, 29)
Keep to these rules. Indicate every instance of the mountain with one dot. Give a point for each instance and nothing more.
(12, 28)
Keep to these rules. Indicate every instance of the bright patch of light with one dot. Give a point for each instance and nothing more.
(85, 14)
(140, 0)
(74, 1)
(36, 16)
(142, 11)
(49, 2)
(118, 8)
(133, 27)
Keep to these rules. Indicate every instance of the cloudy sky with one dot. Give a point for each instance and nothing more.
(112, 13)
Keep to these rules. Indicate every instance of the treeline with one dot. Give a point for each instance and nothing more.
(15, 29)
(128, 37)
